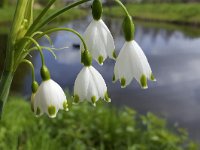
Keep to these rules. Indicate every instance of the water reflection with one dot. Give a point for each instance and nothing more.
(174, 56)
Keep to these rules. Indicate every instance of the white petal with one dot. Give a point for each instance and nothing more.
(123, 67)
(98, 82)
(107, 38)
(50, 98)
(81, 84)
(132, 62)
(89, 85)
(99, 41)
(144, 61)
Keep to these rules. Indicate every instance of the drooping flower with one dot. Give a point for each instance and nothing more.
(132, 63)
(90, 85)
(49, 98)
(98, 37)
(99, 41)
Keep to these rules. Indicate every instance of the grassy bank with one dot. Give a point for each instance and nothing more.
(6, 16)
(87, 128)
(172, 13)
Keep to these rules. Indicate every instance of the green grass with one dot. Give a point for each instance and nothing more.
(174, 13)
(87, 128)
(7, 13)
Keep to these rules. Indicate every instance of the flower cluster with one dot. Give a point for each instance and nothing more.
(97, 43)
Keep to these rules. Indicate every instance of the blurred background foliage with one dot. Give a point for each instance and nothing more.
(87, 128)
(61, 2)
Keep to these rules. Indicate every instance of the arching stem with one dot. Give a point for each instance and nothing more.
(40, 16)
(65, 29)
(123, 7)
(56, 14)
(32, 68)
(39, 48)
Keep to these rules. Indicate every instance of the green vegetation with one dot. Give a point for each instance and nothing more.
(6, 14)
(187, 30)
(87, 128)
(179, 13)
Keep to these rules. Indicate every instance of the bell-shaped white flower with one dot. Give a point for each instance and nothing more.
(132, 63)
(90, 85)
(99, 41)
(49, 98)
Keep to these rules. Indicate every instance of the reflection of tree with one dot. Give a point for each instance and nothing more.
(114, 25)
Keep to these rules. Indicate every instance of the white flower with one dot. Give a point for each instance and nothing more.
(132, 63)
(99, 41)
(49, 98)
(90, 85)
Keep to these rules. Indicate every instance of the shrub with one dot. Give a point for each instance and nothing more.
(87, 128)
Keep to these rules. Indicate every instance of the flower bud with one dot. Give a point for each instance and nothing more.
(128, 28)
(45, 74)
(97, 9)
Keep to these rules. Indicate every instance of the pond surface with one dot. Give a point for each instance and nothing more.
(173, 53)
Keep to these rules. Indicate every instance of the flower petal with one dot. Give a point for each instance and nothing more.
(130, 63)
(99, 41)
(49, 98)
(89, 85)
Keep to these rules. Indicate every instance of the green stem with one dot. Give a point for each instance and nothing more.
(64, 29)
(123, 7)
(39, 48)
(18, 19)
(32, 68)
(40, 16)
(5, 84)
(59, 12)
(86, 58)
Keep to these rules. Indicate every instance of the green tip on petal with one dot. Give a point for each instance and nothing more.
(100, 60)
(38, 111)
(51, 110)
(152, 77)
(114, 55)
(106, 96)
(94, 99)
(143, 82)
(123, 82)
(113, 78)
(65, 105)
(76, 98)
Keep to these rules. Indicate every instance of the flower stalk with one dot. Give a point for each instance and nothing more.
(20, 40)
(5, 84)
(97, 43)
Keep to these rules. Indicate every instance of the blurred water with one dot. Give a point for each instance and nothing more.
(174, 55)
